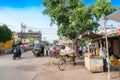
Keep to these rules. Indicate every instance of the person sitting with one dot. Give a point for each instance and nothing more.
(70, 52)
(54, 52)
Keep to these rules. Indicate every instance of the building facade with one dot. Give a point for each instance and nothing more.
(35, 35)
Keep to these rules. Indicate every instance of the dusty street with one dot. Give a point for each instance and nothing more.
(32, 68)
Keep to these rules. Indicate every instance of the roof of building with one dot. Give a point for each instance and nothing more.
(115, 16)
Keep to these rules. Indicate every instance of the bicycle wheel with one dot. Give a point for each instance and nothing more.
(61, 64)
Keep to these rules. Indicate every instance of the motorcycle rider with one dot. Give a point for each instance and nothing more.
(17, 51)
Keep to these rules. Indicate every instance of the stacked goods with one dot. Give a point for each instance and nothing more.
(115, 61)
(89, 55)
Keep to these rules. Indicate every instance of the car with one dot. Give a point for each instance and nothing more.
(38, 50)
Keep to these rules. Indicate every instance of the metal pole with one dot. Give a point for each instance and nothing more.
(107, 48)
(23, 29)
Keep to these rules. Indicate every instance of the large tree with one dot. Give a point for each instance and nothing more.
(5, 33)
(71, 16)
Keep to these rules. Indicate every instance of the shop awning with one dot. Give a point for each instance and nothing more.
(114, 16)
(90, 35)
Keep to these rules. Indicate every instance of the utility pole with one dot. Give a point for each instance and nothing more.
(103, 17)
(39, 37)
(23, 30)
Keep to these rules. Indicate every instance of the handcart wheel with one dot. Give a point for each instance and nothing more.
(61, 64)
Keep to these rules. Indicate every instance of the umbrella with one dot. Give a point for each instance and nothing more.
(91, 35)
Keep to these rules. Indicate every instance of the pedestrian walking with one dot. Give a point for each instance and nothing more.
(46, 49)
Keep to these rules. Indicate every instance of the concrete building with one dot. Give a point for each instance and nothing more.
(35, 35)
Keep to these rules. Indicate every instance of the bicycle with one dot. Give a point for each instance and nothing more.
(64, 59)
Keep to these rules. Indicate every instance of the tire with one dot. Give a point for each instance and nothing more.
(20, 56)
(36, 55)
(14, 58)
(61, 64)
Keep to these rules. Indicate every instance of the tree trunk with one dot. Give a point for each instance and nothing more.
(75, 44)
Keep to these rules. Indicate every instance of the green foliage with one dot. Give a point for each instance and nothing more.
(102, 7)
(57, 11)
(31, 39)
(73, 17)
(82, 42)
(5, 33)
(81, 20)
(46, 43)
(55, 42)
(17, 41)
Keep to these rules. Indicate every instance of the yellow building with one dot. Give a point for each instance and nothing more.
(6, 45)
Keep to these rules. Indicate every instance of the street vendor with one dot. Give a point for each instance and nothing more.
(103, 53)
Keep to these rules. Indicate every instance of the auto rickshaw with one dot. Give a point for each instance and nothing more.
(38, 50)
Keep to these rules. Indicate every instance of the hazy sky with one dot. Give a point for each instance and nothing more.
(13, 12)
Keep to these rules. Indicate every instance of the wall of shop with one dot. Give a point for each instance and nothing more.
(116, 48)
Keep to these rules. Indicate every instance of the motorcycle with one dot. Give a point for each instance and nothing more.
(16, 53)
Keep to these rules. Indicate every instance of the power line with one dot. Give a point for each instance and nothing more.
(5, 17)
(49, 33)
(43, 28)
(33, 27)
(16, 27)
(10, 15)
(10, 25)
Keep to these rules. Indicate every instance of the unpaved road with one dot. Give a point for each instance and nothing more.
(32, 68)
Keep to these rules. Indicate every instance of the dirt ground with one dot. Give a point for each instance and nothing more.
(30, 67)
(71, 72)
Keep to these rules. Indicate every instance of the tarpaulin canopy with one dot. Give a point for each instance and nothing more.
(90, 35)
(115, 16)
(64, 41)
